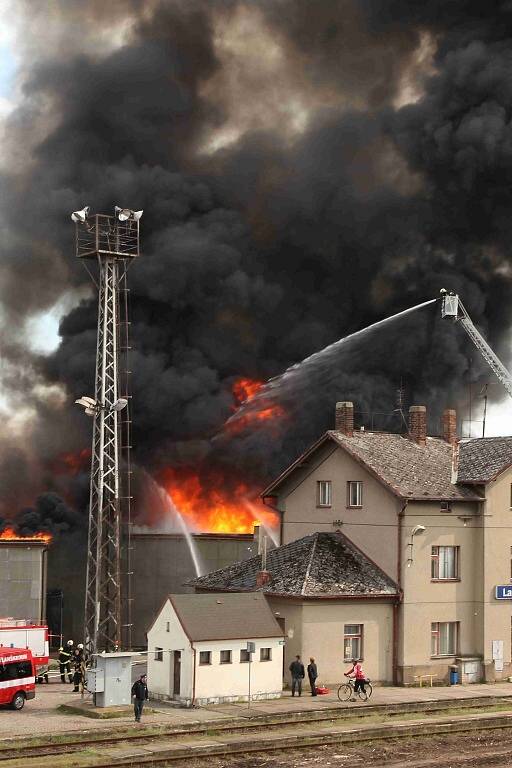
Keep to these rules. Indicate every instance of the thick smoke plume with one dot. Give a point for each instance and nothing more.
(305, 169)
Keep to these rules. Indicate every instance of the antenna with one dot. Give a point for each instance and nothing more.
(400, 402)
(112, 242)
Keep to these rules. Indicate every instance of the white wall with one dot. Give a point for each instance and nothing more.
(160, 673)
(230, 681)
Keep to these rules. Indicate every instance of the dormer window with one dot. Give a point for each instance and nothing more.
(324, 493)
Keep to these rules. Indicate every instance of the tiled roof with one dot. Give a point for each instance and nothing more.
(483, 458)
(318, 565)
(409, 470)
(225, 616)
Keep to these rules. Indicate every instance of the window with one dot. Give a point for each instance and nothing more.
(445, 638)
(265, 654)
(168, 626)
(324, 493)
(353, 642)
(159, 654)
(444, 563)
(225, 657)
(354, 493)
(205, 657)
(15, 670)
(245, 656)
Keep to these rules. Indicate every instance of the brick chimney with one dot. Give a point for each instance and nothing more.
(449, 422)
(344, 421)
(418, 424)
(262, 578)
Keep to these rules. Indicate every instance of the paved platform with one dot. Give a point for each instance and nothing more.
(41, 716)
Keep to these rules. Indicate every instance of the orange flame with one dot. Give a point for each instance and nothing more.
(9, 534)
(244, 391)
(213, 507)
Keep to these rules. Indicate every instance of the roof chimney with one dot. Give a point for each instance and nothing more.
(345, 418)
(449, 422)
(262, 578)
(418, 424)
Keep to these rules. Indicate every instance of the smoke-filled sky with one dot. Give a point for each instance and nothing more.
(305, 169)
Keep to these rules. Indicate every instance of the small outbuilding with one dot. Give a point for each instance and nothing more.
(199, 649)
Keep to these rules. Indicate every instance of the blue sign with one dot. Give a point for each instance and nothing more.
(504, 592)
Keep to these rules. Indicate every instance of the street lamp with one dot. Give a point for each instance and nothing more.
(416, 531)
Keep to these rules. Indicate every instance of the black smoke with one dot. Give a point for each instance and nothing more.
(284, 239)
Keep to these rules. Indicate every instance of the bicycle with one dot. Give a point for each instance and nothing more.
(346, 691)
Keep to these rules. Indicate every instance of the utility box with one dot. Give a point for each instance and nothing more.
(111, 679)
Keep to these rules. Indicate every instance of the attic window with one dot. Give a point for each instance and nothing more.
(446, 506)
(354, 493)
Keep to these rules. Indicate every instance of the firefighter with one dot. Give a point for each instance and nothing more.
(65, 662)
(79, 667)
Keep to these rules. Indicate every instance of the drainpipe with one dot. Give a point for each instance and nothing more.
(193, 703)
(396, 604)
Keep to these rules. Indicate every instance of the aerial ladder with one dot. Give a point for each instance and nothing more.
(452, 307)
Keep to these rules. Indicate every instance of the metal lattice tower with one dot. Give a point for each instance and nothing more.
(113, 242)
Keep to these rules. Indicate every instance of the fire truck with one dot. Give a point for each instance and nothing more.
(20, 633)
(17, 676)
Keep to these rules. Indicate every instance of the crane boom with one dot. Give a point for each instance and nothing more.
(453, 307)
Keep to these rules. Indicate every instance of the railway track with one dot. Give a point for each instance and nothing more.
(222, 738)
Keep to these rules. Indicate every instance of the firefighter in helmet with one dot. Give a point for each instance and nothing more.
(79, 667)
(65, 654)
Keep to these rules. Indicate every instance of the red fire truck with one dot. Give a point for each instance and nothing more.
(17, 676)
(20, 633)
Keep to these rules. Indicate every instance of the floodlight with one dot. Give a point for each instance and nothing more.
(123, 214)
(88, 404)
(119, 404)
(80, 216)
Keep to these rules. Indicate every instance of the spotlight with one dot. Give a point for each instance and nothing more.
(123, 214)
(119, 404)
(88, 404)
(80, 216)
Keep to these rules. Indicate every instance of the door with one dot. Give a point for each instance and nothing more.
(282, 623)
(176, 674)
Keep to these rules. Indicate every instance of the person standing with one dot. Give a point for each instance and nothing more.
(312, 675)
(65, 663)
(297, 670)
(140, 694)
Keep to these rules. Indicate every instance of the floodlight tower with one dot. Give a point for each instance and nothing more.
(113, 243)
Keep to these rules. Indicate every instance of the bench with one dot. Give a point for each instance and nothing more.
(425, 678)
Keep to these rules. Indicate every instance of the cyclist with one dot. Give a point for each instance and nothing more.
(357, 673)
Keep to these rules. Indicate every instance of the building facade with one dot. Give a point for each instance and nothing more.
(198, 649)
(435, 515)
(23, 579)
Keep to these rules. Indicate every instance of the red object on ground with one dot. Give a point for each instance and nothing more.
(322, 690)
(17, 676)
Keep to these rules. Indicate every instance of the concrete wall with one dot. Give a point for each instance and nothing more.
(22, 581)
(162, 564)
(161, 673)
(373, 528)
(229, 682)
(317, 628)
(215, 682)
(497, 543)
(426, 600)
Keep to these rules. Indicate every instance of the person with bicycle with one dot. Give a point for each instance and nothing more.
(359, 676)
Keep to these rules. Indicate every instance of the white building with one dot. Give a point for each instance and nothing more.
(197, 649)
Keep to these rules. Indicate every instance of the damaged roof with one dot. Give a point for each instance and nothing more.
(409, 470)
(318, 565)
(481, 459)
